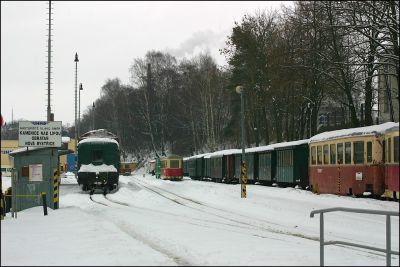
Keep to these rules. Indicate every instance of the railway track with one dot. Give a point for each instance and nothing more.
(232, 216)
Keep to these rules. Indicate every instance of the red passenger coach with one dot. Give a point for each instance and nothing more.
(349, 161)
(391, 158)
(172, 168)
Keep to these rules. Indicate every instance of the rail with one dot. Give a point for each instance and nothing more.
(322, 243)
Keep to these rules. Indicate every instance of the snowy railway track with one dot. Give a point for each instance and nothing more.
(218, 212)
(227, 215)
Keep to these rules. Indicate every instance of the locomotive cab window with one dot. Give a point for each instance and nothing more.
(358, 152)
(174, 163)
(389, 157)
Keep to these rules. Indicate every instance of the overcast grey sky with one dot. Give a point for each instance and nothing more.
(108, 36)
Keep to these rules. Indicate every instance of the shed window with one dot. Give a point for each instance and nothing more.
(396, 148)
(333, 153)
(313, 156)
(25, 171)
(326, 154)
(340, 153)
(369, 151)
(358, 151)
(319, 155)
(347, 153)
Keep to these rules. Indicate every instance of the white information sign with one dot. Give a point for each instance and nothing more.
(39, 133)
(36, 172)
(359, 176)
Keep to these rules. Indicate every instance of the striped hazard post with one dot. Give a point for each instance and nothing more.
(244, 179)
(56, 186)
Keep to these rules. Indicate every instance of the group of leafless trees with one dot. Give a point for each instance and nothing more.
(290, 63)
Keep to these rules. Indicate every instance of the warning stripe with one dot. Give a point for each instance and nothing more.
(55, 189)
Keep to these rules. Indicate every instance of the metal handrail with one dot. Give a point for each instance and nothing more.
(322, 243)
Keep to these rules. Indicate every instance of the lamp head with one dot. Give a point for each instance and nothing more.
(80, 86)
(76, 57)
(239, 89)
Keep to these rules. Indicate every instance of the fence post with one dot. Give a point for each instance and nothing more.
(321, 239)
(44, 203)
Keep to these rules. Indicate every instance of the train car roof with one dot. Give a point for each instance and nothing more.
(260, 148)
(359, 131)
(291, 143)
(98, 140)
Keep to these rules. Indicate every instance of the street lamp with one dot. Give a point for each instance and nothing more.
(240, 90)
(93, 115)
(79, 113)
(76, 130)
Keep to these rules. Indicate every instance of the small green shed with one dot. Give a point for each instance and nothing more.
(35, 170)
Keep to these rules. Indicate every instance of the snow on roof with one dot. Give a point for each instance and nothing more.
(196, 156)
(25, 149)
(97, 168)
(222, 152)
(98, 140)
(291, 143)
(65, 139)
(260, 148)
(367, 130)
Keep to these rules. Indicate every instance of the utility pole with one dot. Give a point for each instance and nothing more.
(76, 125)
(49, 117)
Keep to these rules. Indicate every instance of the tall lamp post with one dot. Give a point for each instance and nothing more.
(79, 112)
(76, 127)
(93, 115)
(240, 90)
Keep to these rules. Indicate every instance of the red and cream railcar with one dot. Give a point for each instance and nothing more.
(172, 168)
(391, 159)
(349, 161)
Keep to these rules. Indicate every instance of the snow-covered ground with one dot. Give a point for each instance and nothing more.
(147, 221)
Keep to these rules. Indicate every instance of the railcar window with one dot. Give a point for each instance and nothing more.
(358, 152)
(340, 153)
(326, 154)
(333, 153)
(384, 150)
(389, 150)
(347, 153)
(396, 148)
(313, 158)
(174, 163)
(97, 155)
(369, 151)
(319, 155)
